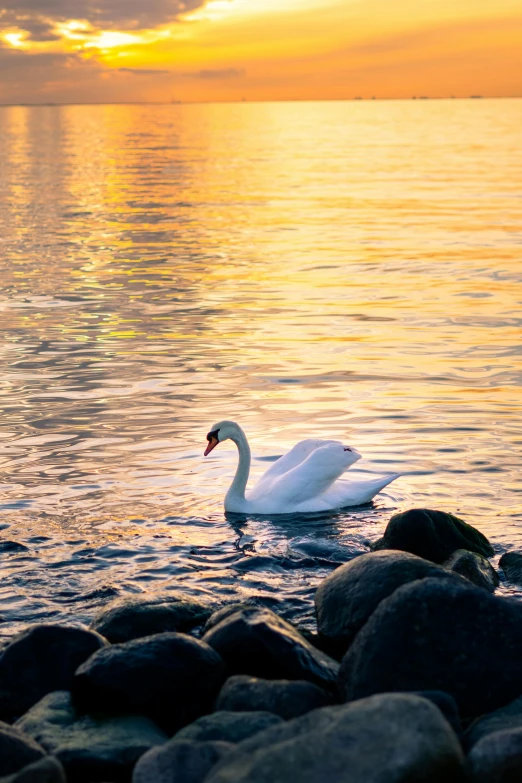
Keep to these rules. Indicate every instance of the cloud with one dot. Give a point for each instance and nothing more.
(38, 17)
(46, 77)
(15, 62)
(216, 73)
(38, 29)
(145, 71)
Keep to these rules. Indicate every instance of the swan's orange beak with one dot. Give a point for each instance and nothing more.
(212, 443)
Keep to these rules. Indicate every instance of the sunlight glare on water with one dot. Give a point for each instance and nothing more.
(336, 270)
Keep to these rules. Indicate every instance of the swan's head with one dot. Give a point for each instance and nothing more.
(221, 431)
(351, 455)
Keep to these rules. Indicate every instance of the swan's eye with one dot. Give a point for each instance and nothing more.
(347, 448)
(213, 435)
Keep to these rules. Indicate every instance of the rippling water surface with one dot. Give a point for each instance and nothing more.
(345, 270)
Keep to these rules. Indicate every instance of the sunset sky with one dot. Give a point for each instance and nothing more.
(205, 50)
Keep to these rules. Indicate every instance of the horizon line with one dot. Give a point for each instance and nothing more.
(175, 102)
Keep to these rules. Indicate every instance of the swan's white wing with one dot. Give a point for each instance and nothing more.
(291, 459)
(310, 478)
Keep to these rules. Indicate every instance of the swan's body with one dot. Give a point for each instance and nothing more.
(302, 481)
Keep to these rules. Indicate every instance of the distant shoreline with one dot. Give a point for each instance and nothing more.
(289, 100)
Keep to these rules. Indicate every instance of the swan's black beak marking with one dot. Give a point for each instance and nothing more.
(213, 441)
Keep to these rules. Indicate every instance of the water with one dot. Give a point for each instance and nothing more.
(345, 270)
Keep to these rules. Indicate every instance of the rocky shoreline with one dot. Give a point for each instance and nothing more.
(414, 674)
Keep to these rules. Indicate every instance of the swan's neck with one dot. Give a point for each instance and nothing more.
(236, 493)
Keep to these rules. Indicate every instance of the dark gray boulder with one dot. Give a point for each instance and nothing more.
(169, 677)
(225, 612)
(433, 535)
(48, 770)
(391, 738)
(133, 618)
(447, 705)
(511, 564)
(232, 727)
(40, 660)
(497, 758)
(17, 750)
(475, 568)
(438, 634)
(180, 762)
(90, 748)
(349, 595)
(286, 698)
(262, 644)
(504, 719)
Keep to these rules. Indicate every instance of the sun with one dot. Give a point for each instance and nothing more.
(17, 39)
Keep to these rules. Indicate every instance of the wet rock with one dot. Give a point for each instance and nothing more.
(170, 677)
(447, 705)
(511, 564)
(225, 612)
(509, 717)
(261, 644)
(391, 738)
(91, 748)
(228, 726)
(497, 758)
(180, 762)
(286, 698)
(433, 535)
(16, 750)
(48, 770)
(326, 551)
(40, 660)
(475, 568)
(444, 635)
(349, 595)
(133, 618)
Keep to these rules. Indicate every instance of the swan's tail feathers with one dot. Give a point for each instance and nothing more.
(385, 480)
(357, 493)
(375, 486)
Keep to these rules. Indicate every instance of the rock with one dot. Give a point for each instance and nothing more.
(179, 762)
(433, 535)
(474, 568)
(286, 698)
(133, 618)
(262, 644)
(391, 738)
(170, 677)
(16, 750)
(438, 634)
(40, 660)
(511, 564)
(225, 612)
(509, 717)
(349, 595)
(48, 770)
(447, 705)
(497, 758)
(91, 748)
(227, 726)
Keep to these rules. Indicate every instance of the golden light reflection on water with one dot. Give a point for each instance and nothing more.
(337, 270)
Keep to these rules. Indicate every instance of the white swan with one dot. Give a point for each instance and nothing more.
(303, 481)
